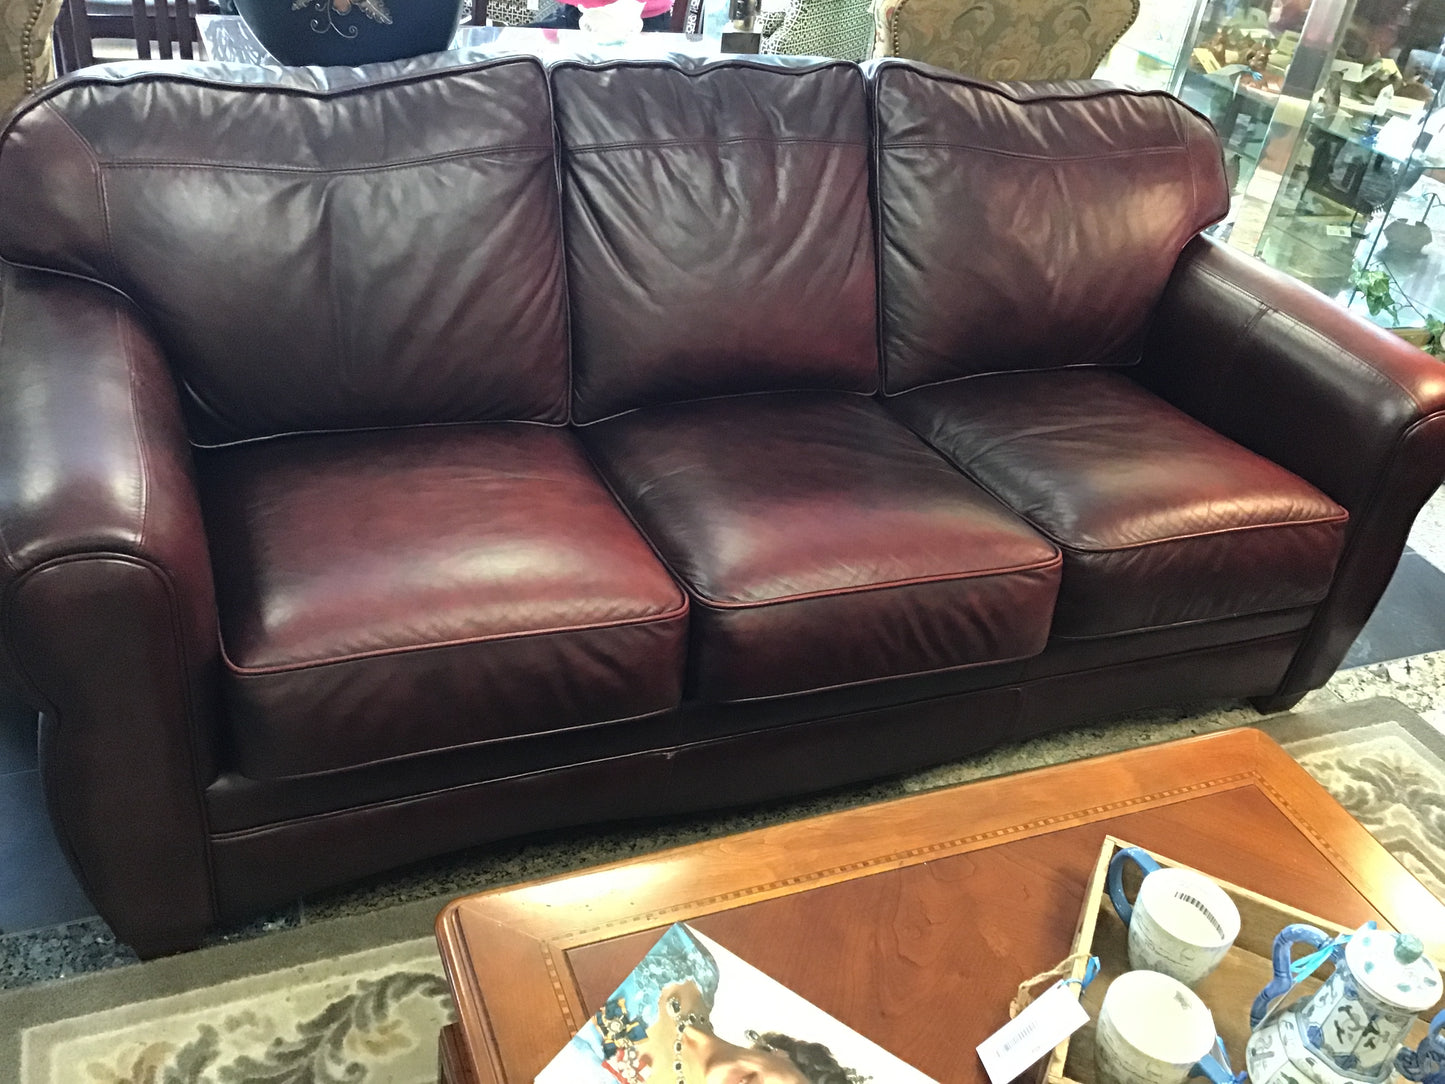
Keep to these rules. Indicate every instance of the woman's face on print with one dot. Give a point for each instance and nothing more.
(753, 1066)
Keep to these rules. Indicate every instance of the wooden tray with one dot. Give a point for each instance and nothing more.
(1229, 991)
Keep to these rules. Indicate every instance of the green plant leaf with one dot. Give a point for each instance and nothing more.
(1435, 346)
(1376, 288)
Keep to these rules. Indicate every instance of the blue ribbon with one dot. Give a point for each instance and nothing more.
(1239, 1077)
(1306, 965)
(1091, 971)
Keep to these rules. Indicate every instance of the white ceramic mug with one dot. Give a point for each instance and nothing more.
(1181, 923)
(1155, 1030)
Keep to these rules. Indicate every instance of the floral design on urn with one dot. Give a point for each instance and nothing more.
(374, 9)
(350, 32)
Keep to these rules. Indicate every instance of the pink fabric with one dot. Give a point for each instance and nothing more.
(649, 9)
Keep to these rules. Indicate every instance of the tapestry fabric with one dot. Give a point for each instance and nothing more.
(883, 26)
(841, 29)
(1006, 39)
(26, 59)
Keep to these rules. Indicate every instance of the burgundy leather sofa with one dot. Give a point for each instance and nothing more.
(397, 459)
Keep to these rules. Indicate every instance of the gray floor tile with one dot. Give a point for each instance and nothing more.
(1427, 536)
(1410, 619)
(60, 952)
(17, 736)
(36, 885)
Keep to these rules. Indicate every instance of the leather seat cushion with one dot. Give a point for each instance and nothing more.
(1161, 520)
(394, 593)
(823, 544)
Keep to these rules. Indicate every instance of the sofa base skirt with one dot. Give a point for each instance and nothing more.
(259, 867)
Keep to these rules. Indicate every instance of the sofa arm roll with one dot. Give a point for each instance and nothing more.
(107, 610)
(1349, 407)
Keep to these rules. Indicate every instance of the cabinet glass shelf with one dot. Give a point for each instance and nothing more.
(1331, 113)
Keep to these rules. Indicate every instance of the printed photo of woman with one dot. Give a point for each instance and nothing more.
(658, 1027)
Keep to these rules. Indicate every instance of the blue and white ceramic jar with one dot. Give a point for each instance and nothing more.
(1352, 1029)
(350, 32)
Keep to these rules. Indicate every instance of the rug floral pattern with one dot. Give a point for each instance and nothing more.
(368, 1018)
(1390, 783)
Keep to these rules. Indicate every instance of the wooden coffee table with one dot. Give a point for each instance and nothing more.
(914, 920)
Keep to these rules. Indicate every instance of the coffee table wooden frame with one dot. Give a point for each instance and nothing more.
(505, 950)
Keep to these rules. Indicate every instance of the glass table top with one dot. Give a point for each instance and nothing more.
(227, 38)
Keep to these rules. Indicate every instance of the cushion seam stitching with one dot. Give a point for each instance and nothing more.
(411, 649)
(323, 171)
(718, 604)
(1277, 525)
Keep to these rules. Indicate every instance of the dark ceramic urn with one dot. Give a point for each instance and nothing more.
(350, 32)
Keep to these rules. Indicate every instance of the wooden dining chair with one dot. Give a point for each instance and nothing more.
(71, 39)
(162, 28)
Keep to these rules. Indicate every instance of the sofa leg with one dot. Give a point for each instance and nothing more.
(154, 945)
(1269, 705)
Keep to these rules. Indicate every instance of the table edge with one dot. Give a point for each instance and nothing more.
(1256, 758)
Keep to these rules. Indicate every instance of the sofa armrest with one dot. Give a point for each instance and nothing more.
(107, 611)
(1349, 407)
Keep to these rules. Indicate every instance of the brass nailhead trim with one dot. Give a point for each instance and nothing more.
(1117, 38)
(27, 38)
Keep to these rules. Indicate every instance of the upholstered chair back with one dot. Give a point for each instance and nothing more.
(1008, 39)
(27, 61)
(842, 29)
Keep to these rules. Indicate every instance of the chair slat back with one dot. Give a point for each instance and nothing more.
(163, 28)
(140, 22)
(72, 38)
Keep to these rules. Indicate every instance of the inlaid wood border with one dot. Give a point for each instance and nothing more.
(506, 950)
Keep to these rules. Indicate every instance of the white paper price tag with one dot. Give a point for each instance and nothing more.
(1031, 1034)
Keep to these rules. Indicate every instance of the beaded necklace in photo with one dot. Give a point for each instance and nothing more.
(691, 1020)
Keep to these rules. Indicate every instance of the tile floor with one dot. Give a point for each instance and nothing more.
(1410, 618)
(1400, 653)
(36, 886)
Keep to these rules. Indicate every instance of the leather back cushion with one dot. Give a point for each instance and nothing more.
(320, 249)
(719, 235)
(1029, 226)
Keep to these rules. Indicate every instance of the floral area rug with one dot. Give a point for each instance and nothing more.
(369, 1016)
(1387, 767)
(360, 1000)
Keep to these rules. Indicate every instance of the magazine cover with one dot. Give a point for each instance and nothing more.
(693, 1013)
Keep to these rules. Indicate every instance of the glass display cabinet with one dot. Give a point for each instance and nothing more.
(1331, 113)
